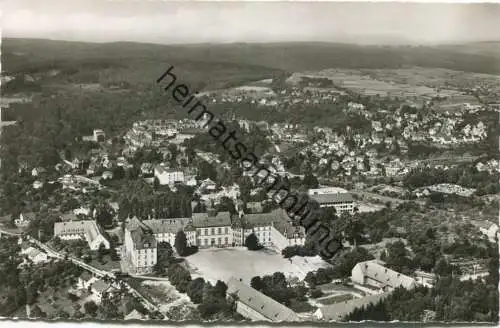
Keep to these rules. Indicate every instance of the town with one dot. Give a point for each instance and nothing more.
(115, 204)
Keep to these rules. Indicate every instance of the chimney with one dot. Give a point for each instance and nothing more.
(212, 212)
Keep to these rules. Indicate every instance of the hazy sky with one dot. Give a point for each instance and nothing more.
(195, 22)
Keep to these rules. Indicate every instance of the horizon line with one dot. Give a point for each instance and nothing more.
(362, 44)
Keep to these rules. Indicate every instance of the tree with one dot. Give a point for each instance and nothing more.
(181, 243)
(220, 289)
(164, 257)
(256, 283)
(252, 242)
(101, 251)
(36, 312)
(195, 290)
(90, 308)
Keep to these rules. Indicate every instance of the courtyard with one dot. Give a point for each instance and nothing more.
(223, 263)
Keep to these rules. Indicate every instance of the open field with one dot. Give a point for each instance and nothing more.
(408, 83)
(221, 264)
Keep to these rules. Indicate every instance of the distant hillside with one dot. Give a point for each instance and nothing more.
(482, 57)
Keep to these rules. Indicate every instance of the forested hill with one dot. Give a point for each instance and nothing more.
(481, 57)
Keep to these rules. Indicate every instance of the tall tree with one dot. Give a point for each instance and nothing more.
(181, 245)
(252, 242)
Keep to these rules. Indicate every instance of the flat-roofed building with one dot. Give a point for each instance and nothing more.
(84, 229)
(256, 306)
(326, 190)
(342, 202)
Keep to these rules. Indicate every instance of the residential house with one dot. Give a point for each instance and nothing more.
(35, 255)
(99, 135)
(168, 176)
(24, 219)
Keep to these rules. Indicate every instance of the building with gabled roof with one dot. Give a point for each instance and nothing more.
(338, 311)
(372, 277)
(256, 306)
(140, 247)
(86, 229)
(35, 255)
(165, 230)
(212, 228)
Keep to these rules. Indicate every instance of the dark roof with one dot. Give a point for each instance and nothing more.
(142, 235)
(203, 220)
(339, 310)
(166, 225)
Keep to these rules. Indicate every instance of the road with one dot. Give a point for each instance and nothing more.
(99, 273)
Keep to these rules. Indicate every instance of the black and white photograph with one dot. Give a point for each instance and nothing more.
(212, 162)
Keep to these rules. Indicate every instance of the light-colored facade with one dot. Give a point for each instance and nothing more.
(167, 176)
(374, 278)
(342, 202)
(425, 279)
(256, 306)
(85, 229)
(212, 229)
(140, 247)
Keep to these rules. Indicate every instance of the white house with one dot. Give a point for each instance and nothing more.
(168, 176)
(24, 219)
(99, 135)
(34, 255)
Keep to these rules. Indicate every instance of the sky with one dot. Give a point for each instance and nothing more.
(223, 22)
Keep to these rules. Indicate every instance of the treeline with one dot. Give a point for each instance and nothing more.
(467, 176)
(158, 206)
(451, 300)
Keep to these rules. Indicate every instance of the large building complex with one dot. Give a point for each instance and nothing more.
(210, 229)
(339, 198)
(86, 229)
